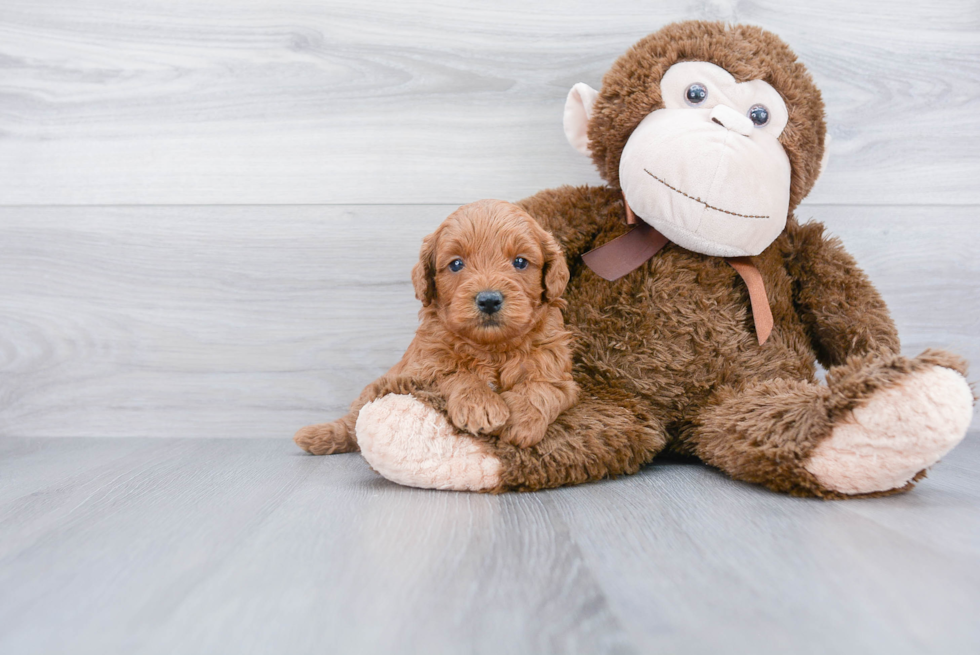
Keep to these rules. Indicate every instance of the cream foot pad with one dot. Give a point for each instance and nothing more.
(897, 433)
(412, 444)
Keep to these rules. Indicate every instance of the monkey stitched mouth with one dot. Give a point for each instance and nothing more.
(717, 209)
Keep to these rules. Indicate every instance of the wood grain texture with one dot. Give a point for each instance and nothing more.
(248, 546)
(338, 102)
(696, 563)
(253, 321)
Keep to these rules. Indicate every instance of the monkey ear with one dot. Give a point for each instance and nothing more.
(424, 272)
(578, 110)
(554, 270)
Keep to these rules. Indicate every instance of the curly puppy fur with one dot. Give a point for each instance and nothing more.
(506, 372)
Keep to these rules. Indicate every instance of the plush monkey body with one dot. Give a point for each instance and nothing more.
(675, 342)
(667, 356)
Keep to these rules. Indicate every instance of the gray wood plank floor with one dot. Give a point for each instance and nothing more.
(248, 546)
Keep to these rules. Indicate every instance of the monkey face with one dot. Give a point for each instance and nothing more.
(714, 133)
(708, 170)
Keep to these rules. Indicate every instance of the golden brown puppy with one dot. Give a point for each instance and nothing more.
(491, 340)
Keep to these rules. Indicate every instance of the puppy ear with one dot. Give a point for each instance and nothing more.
(424, 272)
(554, 270)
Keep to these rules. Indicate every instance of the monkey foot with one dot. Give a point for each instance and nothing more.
(412, 444)
(899, 432)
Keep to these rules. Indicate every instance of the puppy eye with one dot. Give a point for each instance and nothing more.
(456, 265)
(759, 115)
(520, 263)
(696, 94)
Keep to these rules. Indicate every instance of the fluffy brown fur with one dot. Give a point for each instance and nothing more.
(506, 373)
(667, 357)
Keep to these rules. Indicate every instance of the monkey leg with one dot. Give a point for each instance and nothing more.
(874, 429)
(409, 442)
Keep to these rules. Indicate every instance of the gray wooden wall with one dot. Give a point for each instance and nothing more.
(208, 211)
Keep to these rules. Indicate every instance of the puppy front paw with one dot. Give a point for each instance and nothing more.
(526, 425)
(484, 414)
(524, 434)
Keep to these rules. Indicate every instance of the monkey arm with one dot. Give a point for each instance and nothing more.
(574, 215)
(843, 312)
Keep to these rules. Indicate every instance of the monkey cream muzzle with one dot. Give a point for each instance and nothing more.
(731, 120)
(707, 206)
(695, 176)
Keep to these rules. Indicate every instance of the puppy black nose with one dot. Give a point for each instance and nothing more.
(489, 302)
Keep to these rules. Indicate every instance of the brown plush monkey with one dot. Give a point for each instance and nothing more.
(698, 331)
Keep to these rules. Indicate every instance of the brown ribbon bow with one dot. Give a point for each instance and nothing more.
(626, 253)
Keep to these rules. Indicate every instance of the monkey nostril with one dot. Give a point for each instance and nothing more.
(731, 120)
(489, 302)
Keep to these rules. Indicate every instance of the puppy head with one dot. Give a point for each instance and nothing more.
(489, 271)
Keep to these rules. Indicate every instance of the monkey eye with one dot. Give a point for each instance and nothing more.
(456, 265)
(520, 263)
(759, 115)
(695, 94)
